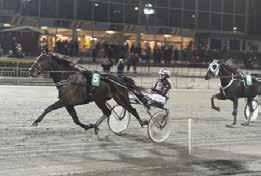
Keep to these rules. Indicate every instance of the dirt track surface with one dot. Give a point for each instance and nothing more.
(59, 147)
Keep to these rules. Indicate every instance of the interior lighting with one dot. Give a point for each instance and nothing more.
(110, 32)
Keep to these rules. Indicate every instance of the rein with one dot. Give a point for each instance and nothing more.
(232, 76)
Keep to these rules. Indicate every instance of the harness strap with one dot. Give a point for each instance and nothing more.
(115, 82)
(229, 84)
(63, 82)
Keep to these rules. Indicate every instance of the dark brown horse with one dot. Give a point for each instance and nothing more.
(74, 86)
(232, 87)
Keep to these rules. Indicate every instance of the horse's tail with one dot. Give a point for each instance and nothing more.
(129, 82)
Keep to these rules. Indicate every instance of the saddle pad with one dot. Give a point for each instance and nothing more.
(248, 80)
(96, 79)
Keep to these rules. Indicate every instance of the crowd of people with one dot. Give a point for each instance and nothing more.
(127, 57)
(157, 55)
(167, 54)
(65, 47)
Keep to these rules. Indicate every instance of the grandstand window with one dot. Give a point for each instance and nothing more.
(162, 3)
(203, 5)
(132, 13)
(215, 21)
(117, 13)
(31, 8)
(118, 1)
(240, 6)
(203, 20)
(48, 8)
(216, 44)
(175, 18)
(228, 23)
(216, 5)
(228, 6)
(85, 11)
(240, 23)
(100, 11)
(189, 4)
(65, 9)
(161, 17)
(11, 4)
(188, 20)
(234, 44)
(176, 3)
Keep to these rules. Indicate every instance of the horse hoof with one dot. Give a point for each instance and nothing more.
(245, 124)
(96, 130)
(231, 126)
(35, 124)
(216, 108)
(144, 123)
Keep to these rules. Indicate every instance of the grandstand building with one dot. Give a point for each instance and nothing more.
(183, 24)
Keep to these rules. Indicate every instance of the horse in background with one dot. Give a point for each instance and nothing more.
(74, 86)
(232, 88)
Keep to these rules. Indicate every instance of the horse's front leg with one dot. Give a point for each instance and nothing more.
(71, 110)
(218, 96)
(56, 105)
(234, 113)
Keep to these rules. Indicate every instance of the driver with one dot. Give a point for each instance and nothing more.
(161, 88)
(163, 85)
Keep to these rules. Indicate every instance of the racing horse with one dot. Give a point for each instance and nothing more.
(232, 88)
(74, 87)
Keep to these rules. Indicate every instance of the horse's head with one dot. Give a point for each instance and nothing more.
(40, 65)
(213, 69)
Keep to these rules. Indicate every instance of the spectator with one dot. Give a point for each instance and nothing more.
(132, 60)
(1, 51)
(19, 51)
(13, 47)
(147, 53)
(107, 64)
(156, 54)
(120, 67)
(44, 48)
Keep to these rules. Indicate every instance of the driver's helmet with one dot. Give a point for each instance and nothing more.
(164, 73)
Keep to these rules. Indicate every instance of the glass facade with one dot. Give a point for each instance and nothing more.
(204, 14)
(153, 18)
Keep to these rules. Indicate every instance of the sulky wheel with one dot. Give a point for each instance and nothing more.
(159, 127)
(119, 119)
(255, 113)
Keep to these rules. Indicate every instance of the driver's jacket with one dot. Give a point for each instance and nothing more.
(162, 86)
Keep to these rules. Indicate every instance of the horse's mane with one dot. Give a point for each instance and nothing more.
(63, 60)
(68, 62)
(231, 69)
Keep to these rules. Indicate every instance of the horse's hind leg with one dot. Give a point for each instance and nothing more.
(106, 113)
(125, 102)
(134, 112)
(218, 96)
(56, 105)
(73, 113)
(251, 109)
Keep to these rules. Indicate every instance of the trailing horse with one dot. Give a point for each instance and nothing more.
(233, 86)
(74, 85)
